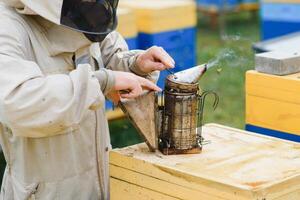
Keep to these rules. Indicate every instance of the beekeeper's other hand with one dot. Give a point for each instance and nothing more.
(128, 85)
(155, 58)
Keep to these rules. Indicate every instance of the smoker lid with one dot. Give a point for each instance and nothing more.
(172, 84)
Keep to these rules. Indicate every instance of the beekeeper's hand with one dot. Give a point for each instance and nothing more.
(128, 86)
(155, 58)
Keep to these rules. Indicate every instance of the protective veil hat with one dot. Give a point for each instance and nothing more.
(94, 18)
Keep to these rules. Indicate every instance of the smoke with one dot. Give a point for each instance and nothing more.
(233, 55)
(223, 57)
(236, 38)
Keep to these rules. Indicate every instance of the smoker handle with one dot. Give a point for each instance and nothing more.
(201, 101)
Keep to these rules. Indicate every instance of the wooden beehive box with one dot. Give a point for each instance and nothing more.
(157, 16)
(127, 23)
(273, 104)
(235, 165)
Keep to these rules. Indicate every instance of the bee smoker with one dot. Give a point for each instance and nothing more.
(179, 118)
(172, 121)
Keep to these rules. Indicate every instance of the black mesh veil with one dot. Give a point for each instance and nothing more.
(94, 18)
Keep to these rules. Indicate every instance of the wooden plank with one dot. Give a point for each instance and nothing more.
(288, 189)
(290, 83)
(114, 114)
(260, 112)
(291, 196)
(249, 6)
(158, 185)
(273, 102)
(179, 178)
(273, 93)
(121, 190)
(236, 165)
(214, 10)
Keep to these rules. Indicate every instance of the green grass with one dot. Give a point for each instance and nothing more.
(227, 78)
(123, 134)
(230, 82)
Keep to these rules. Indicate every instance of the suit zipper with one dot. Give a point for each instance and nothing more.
(97, 153)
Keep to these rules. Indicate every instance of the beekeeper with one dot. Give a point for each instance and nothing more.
(53, 83)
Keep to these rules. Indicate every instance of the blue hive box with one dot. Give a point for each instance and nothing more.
(109, 105)
(170, 24)
(180, 44)
(132, 43)
(279, 19)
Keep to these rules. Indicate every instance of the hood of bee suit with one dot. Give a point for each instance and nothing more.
(59, 39)
(49, 10)
(94, 18)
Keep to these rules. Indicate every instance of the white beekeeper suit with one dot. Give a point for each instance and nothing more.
(53, 129)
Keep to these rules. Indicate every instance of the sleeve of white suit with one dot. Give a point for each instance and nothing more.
(116, 56)
(33, 104)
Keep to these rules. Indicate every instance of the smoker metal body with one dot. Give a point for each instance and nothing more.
(172, 121)
(179, 118)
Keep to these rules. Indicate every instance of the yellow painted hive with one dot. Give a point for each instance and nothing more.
(235, 165)
(127, 24)
(162, 15)
(273, 105)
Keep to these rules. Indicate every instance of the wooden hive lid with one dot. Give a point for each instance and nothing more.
(237, 163)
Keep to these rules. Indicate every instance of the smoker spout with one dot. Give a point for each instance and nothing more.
(191, 75)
